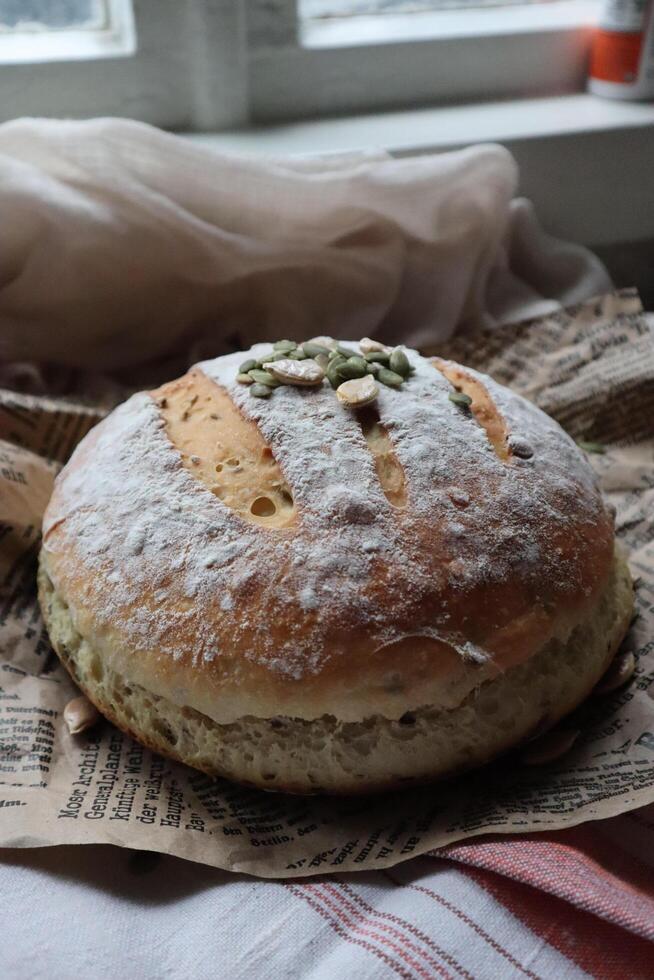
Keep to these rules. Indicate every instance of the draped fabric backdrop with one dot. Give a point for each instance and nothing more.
(120, 244)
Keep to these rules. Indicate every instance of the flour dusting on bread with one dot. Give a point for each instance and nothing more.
(151, 560)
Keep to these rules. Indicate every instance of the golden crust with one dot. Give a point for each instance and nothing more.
(324, 755)
(339, 603)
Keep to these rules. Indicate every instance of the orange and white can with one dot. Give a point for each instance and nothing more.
(622, 55)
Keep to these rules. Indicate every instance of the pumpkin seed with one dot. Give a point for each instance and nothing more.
(247, 365)
(378, 356)
(261, 391)
(390, 378)
(355, 367)
(369, 346)
(269, 358)
(399, 362)
(373, 368)
(333, 373)
(357, 392)
(244, 379)
(345, 351)
(461, 399)
(291, 372)
(328, 342)
(284, 345)
(521, 449)
(264, 378)
(312, 349)
(80, 715)
(297, 354)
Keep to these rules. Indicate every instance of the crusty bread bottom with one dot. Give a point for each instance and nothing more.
(326, 755)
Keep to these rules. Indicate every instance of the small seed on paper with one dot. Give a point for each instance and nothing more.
(80, 715)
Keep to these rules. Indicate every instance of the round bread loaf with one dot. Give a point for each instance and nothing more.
(310, 598)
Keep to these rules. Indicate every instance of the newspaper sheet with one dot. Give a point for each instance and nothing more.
(592, 368)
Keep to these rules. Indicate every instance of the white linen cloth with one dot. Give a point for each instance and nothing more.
(80, 913)
(120, 244)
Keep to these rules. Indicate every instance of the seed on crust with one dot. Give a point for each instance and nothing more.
(369, 346)
(312, 349)
(264, 378)
(549, 747)
(354, 367)
(390, 378)
(520, 449)
(399, 362)
(291, 372)
(327, 342)
(260, 391)
(358, 392)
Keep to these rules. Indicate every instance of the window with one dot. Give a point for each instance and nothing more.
(37, 31)
(417, 52)
(211, 64)
(37, 15)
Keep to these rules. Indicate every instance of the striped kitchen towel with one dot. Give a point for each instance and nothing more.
(562, 906)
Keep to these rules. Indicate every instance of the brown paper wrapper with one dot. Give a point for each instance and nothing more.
(592, 368)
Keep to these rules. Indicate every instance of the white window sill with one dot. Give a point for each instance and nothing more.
(408, 132)
(584, 161)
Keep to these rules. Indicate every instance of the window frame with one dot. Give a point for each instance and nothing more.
(208, 65)
(117, 39)
(179, 64)
(386, 62)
